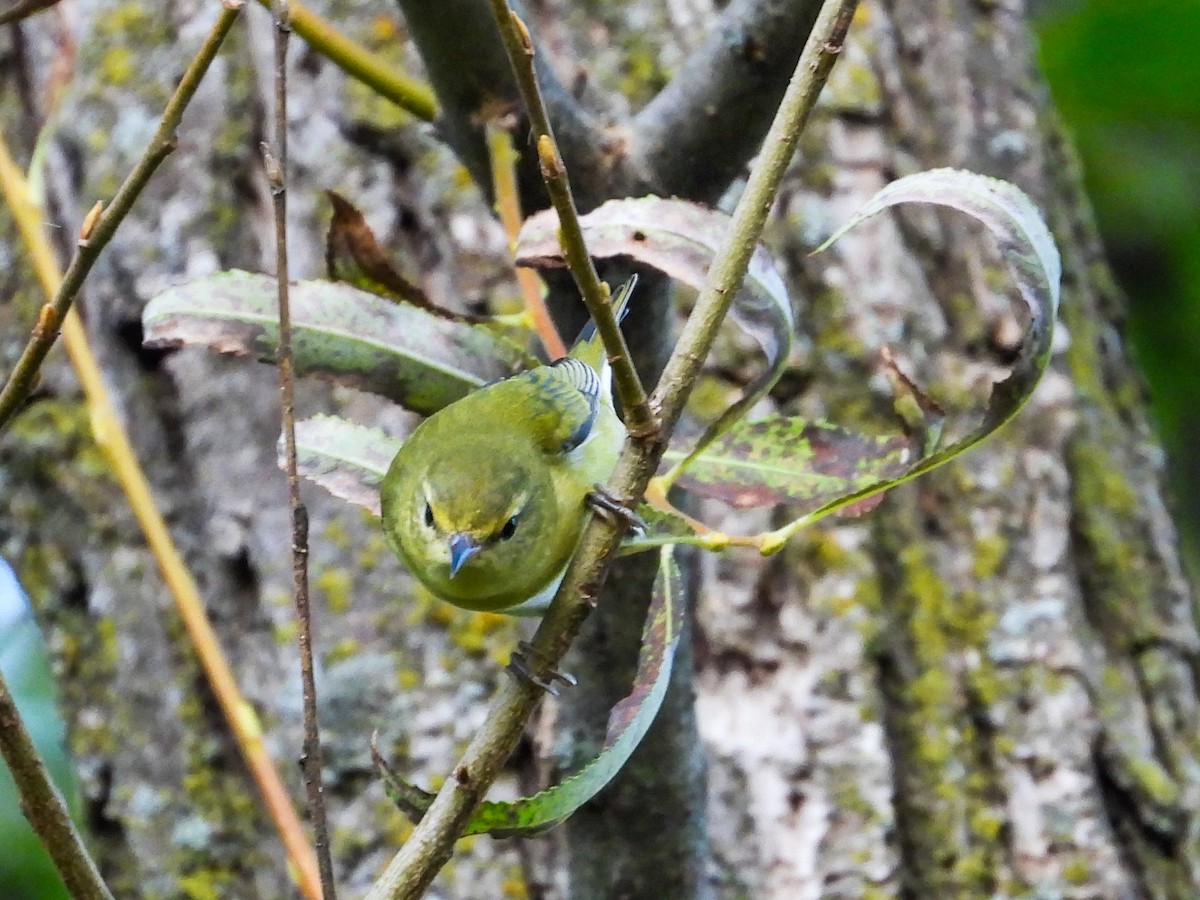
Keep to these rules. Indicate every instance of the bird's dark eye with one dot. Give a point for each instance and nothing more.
(428, 516)
(509, 529)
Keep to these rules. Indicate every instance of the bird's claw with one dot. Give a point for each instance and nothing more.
(520, 668)
(611, 508)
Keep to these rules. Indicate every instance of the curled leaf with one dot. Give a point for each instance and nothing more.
(353, 255)
(628, 723)
(766, 462)
(405, 353)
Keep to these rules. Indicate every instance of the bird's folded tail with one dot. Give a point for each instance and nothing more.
(588, 346)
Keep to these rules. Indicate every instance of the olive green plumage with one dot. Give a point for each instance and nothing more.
(486, 499)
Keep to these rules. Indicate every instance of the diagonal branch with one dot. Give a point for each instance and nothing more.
(96, 237)
(23, 9)
(114, 442)
(521, 55)
(431, 844)
(360, 63)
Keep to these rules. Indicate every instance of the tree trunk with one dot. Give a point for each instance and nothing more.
(985, 687)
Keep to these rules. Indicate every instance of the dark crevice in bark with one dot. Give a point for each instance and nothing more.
(1151, 850)
(909, 816)
(988, 784)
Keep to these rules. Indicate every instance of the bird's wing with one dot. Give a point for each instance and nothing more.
(567, 397)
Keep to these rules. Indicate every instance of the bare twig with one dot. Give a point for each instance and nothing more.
(276, 165)
(503, 157)
(638, 418)
(44, 807)
(430, 846)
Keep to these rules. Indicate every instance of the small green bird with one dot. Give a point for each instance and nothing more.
(485, 501)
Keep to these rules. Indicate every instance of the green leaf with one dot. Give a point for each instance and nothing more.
(347, 459)
(758, 464)
(25, 868)
(789, 460)
(680, 238)
(409, 355)
(628, 723)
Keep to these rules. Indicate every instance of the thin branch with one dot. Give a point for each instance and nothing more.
(311, 762)
(44, 807)
(360, 63)
(638, 418)
(113, 441)
(24, 375)
(503, 158)
(431, 844)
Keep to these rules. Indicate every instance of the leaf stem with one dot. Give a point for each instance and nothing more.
(44, 807)
(276, 164)
(431, 844)
(360, 63)
(503, 159)
(639, 419)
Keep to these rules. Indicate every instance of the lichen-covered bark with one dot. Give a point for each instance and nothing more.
(1024, 662)
(987, 687)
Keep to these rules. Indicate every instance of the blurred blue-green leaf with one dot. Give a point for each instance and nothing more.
(26, 872)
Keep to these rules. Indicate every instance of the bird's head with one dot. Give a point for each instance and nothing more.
(472, 527)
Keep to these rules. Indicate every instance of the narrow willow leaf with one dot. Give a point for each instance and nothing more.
(347, 459)
(409, 355)
(789, 460)
(628, 723)
(751, 469)
(353, 255)
(680, 238)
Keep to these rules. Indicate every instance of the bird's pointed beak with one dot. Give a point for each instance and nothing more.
(462, 548)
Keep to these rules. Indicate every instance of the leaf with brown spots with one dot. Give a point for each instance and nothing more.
(789, 460)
